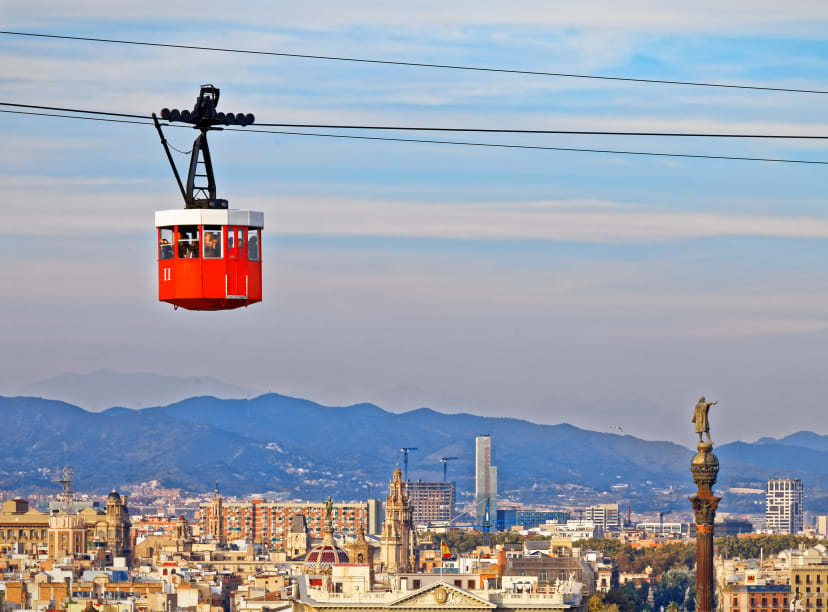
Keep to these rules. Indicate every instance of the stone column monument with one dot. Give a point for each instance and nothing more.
(705, 468)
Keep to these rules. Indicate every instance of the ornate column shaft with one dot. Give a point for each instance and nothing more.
(705, 468)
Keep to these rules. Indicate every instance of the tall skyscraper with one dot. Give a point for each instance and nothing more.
(485, 480)
(783, 505)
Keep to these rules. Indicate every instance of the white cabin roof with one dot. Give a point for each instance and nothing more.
(206, 216)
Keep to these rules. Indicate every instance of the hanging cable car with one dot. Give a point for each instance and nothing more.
(209, 256)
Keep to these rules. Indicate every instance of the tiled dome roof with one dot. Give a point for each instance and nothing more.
(325, 555)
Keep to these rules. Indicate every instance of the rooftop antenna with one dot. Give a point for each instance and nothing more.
(65, 481)
(444, 461)
(405, 450)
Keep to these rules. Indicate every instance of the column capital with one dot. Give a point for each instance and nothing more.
(704, 508)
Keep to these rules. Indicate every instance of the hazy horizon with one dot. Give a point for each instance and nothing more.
(64, 387)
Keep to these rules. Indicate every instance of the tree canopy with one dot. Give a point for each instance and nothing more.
(467, 541)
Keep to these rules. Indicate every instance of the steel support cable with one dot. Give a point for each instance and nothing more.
(536, 147)
(469, 130)
(13, 112)
(415, 64)
(74, 110)
(561, 132)
(454, 142)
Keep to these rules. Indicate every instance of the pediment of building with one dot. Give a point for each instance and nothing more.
(441, 595)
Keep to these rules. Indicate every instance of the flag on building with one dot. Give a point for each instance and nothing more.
(445, 550)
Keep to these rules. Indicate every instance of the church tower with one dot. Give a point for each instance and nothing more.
(183, 535)
(215, 525)
(398, 541)
(117, 524)
(362, 552)
(298, 540)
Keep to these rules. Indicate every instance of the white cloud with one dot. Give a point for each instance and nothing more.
(514, 220)
(33, 209)
(636, 15)
(467, 326)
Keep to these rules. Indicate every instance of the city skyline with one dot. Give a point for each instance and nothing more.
(428, 332)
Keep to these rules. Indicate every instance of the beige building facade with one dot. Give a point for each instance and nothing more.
(22, 529)
(67, 535)
(439, 596)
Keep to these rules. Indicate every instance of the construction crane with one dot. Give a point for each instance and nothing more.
(405, 450)
(444, 461)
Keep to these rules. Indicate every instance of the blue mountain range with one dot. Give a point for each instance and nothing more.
(296, 448)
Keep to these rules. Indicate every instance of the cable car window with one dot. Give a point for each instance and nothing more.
(231, 232)
(241, 238)
(253, 244)
(212, 242)
(165, 243)
(188, 241)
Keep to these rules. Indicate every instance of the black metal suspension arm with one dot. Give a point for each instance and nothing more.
(201, 148)
(208, 167)
(170, 158)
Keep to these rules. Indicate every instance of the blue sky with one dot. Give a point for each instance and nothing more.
(586, 288)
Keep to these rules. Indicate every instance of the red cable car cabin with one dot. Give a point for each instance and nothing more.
(209, 259)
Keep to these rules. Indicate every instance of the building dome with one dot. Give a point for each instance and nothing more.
(323, 557)
(114, 496)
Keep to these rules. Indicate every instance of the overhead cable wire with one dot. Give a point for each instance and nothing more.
(452, 129)
(74, 110)
(13, 112)
(417, 64)
(524, 131)
(535, 147)
(456, 142)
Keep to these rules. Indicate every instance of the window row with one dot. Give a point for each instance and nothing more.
(209, 242)
(13, 534)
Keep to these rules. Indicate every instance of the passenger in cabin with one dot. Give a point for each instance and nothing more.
(212, 247)
(253, 247)
(188, 245)
(166, 249)
(185, 250)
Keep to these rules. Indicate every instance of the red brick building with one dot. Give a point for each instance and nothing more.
(268, 522)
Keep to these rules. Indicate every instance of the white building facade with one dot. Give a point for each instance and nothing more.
(783, 505)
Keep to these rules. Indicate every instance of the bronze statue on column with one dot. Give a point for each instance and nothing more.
(705, 468)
